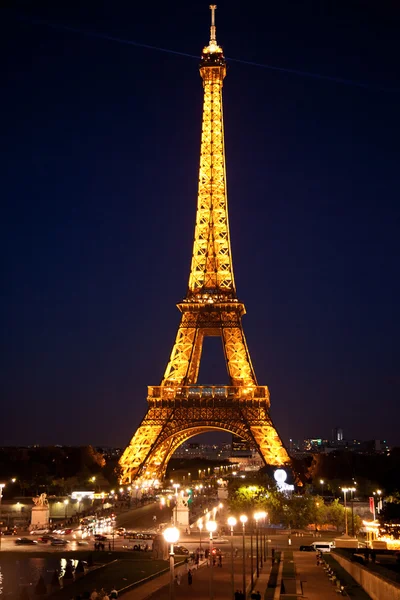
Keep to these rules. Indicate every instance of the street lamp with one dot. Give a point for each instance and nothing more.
(200, 526)
(171, 536)
(243, 520)
(232, 522)
(345, 490)
(2, 485)
(66, 502)
(352, 490)
(211, 526)
(257, 516)
(262, 515)
(322, 485)
(379, 505)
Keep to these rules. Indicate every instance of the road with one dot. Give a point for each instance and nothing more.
(142, 518)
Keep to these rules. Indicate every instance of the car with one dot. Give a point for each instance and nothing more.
(59, 531)
(181, 550)
(59, 542)
(101, 538)
(9, 532)
(68, 531)
(39, 531)
(220, 540)
(25, 542)
(120, 530)
(323, 546)
(43, 539)
(82, 543)
(305, 548)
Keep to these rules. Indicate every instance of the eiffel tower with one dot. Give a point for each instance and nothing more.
(180, 408)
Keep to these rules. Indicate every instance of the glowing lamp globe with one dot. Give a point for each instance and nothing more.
(280, 476)
(232, 521)
(243, 519)
(171, 535)
(211, 526)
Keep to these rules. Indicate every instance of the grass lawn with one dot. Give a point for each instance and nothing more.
(121, 573)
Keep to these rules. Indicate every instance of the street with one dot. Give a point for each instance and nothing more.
(142, 519)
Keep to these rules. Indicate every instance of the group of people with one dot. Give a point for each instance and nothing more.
(102, 546)
(178, 577)
(103, 595)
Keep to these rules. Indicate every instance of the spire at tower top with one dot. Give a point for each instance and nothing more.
(213, 39)
(212, 50)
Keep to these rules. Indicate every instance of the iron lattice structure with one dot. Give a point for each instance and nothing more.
(180, 408)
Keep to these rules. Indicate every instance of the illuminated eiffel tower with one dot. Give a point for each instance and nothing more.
(180, 408)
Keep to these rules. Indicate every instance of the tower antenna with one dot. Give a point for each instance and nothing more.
(213, 39)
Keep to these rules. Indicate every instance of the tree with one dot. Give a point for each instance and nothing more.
(335, 514)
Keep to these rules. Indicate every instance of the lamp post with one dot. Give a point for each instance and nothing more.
(251, 558)
(171, 536)
(345, 490)
(200, 526)
(322, 486)
(259, 544)
(211, 526)
(2, 485)
(352, 490)
(256, 517)
(262, 515)
(232, 522)
(66, 502)
(243, 520)
(379, 505)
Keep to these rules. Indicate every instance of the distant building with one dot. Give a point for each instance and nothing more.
(300, 449)
(337, 434)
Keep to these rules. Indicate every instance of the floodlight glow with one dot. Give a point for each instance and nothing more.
(211, 526)
(171, 535)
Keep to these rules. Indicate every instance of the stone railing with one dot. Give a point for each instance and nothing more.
(376, 585)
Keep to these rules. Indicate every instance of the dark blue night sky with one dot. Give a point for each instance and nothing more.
(100, 148)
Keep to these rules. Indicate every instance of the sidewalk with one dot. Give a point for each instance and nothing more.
(158, 589)
(314, 580)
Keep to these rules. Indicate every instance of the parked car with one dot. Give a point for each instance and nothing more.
(323, 546)
(25, 542)
(307, 548)
(181, 550)
(9, 532)
(59, 542)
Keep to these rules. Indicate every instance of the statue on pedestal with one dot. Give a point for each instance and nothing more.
(41, 500)
(40, 512)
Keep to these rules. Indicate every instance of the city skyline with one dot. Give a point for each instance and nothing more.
(99, 229)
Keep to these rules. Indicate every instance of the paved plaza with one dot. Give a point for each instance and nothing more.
(313, 579)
